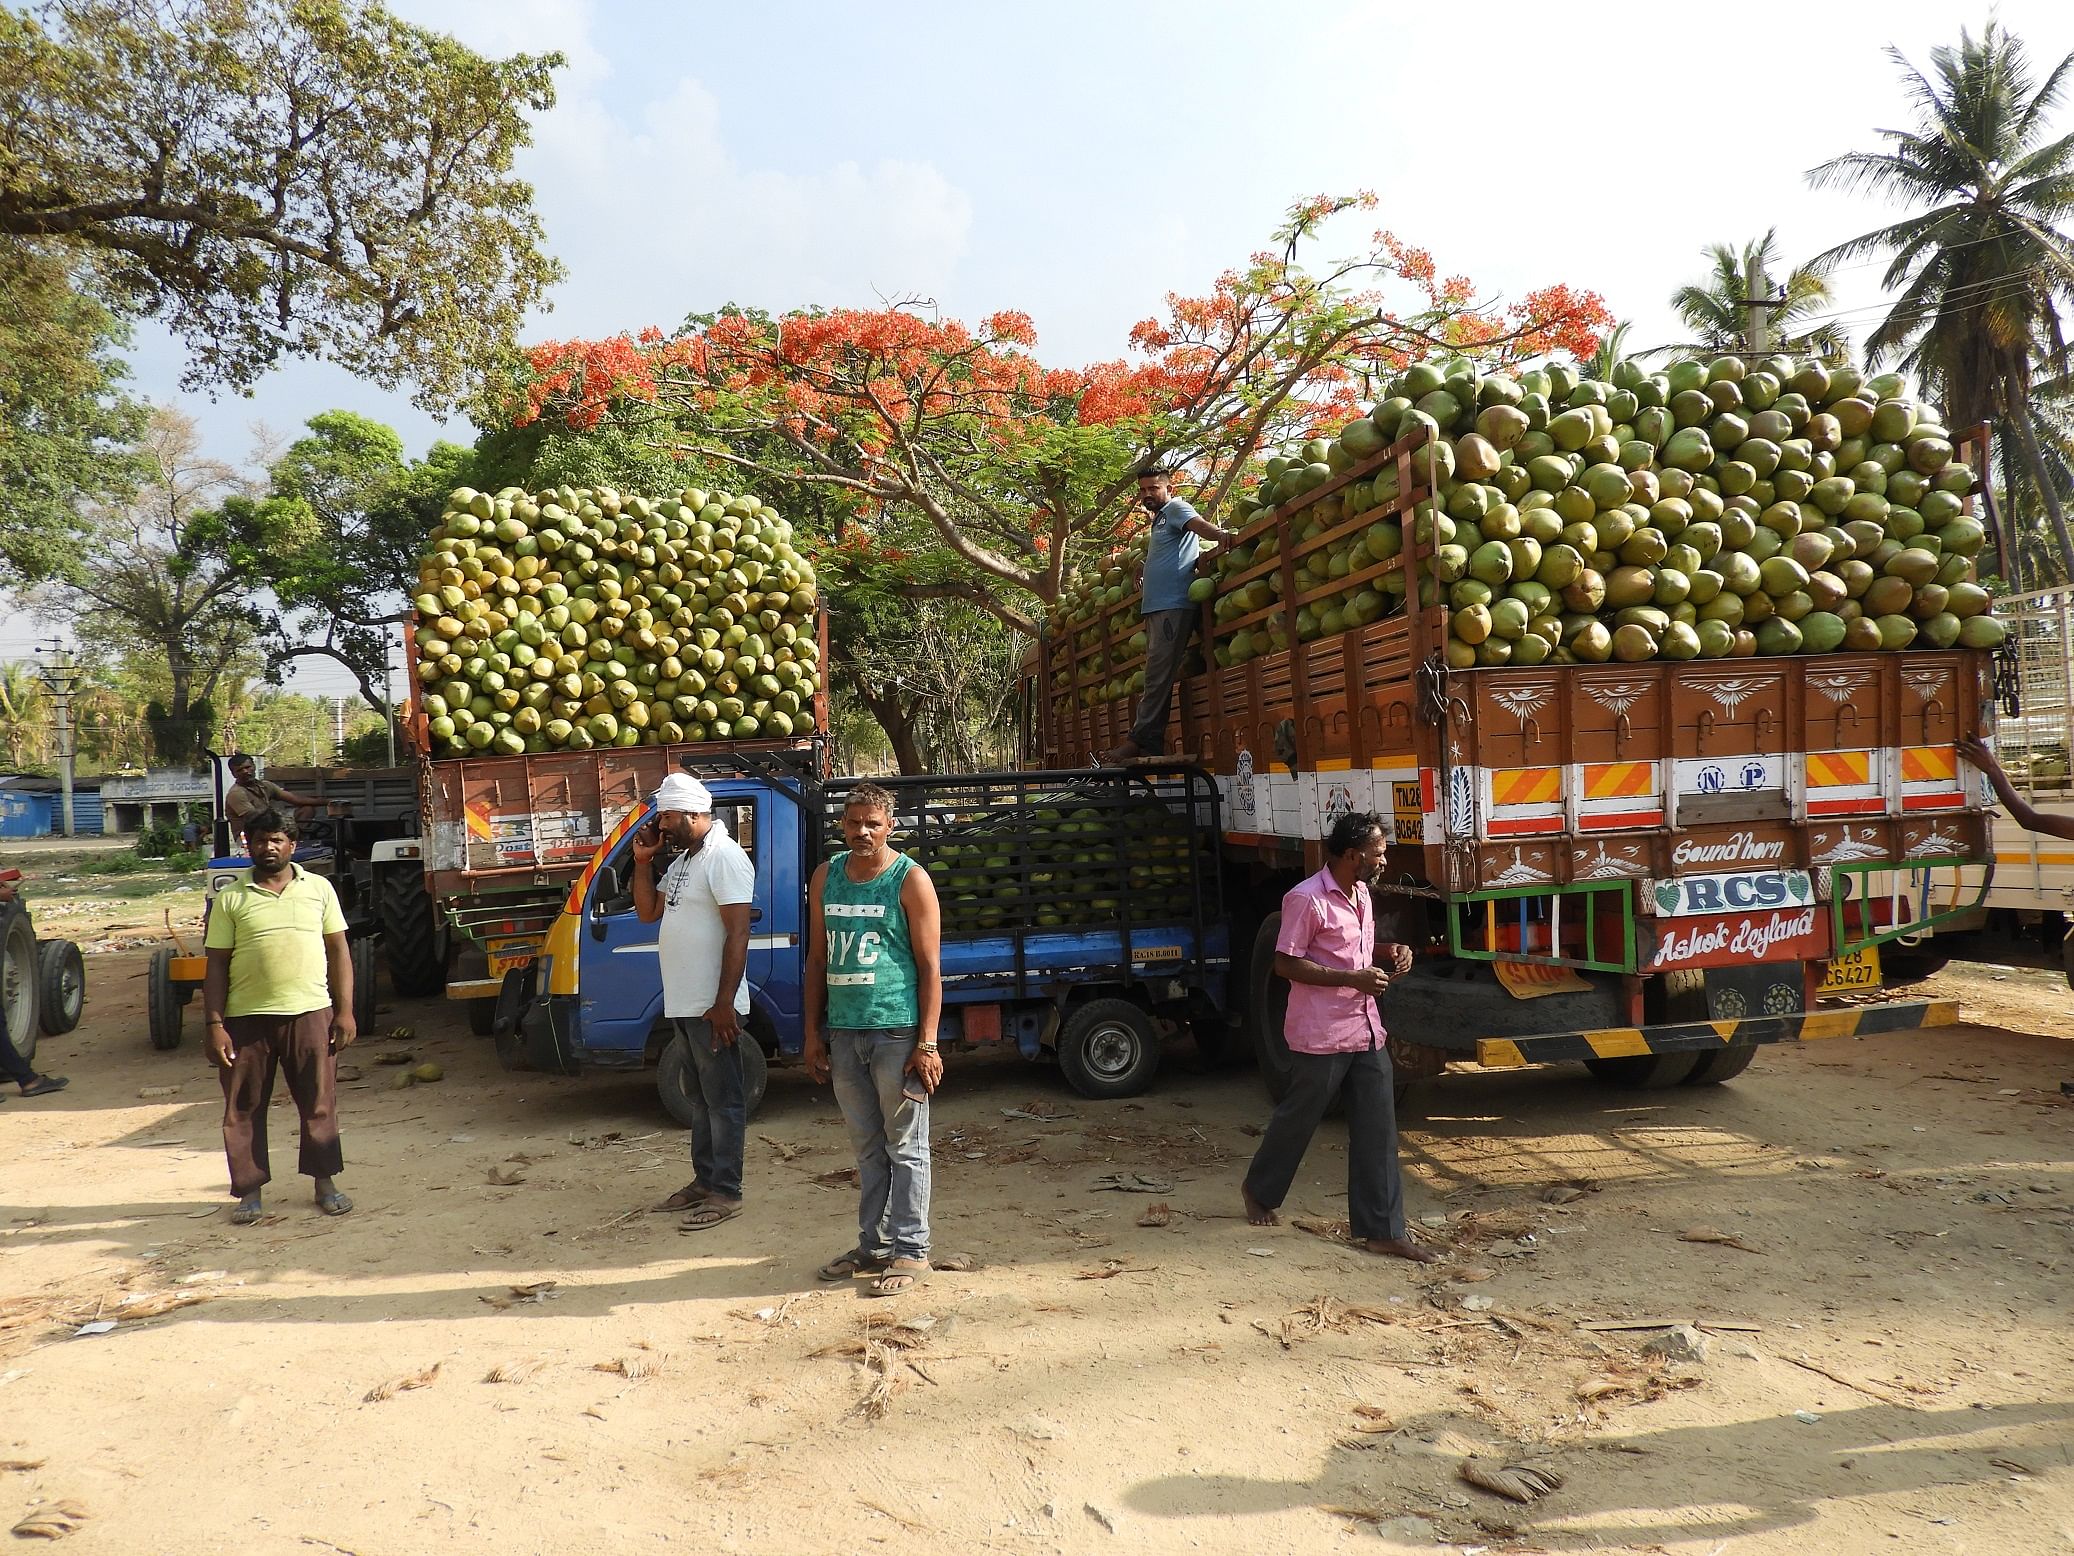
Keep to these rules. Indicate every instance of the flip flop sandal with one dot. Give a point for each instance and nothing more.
(690, 1197)
(708, 1216)
(901, 1276)
(334, 1204)
(243, 1214)
(848, 1266)
(44, 1085)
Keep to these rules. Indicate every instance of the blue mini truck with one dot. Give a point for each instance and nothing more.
(1083, 921)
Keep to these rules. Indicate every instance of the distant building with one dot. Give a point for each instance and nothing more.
(30, 806)
(134, 801)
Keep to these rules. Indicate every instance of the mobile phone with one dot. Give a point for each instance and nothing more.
(913, 1089)
(8, 877)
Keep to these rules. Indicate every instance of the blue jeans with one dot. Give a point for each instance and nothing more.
(890, 1134)
(719, 1114)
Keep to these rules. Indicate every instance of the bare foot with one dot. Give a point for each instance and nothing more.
(1256, 1212)
(1400, 1248)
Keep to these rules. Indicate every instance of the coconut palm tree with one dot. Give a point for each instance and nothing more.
(1611, 350)
(24, 719)
(1983, 266)
(1717, 310)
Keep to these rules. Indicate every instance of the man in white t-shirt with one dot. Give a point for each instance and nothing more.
(703, 902)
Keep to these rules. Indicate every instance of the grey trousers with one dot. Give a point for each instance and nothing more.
(1375, 1190)
(1166, 635)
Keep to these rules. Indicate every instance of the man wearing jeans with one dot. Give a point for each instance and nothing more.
(1326, 949)
(874, 994)
(703, 944)
(1171, 547)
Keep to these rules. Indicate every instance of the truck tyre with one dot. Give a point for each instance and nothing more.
(1267, 1004)
(414, 943)
(1913, 966)
(1643, 1072)
(61, 991)
(1109, 1048)
(20, 984)
(482, 1016)
(162, 1002)
(677, 1080)
(1723, 1064)
(362, 949)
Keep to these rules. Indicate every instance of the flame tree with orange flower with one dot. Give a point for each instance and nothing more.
(973, 471)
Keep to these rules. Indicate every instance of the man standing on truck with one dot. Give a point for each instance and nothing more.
(703, 902)
(1171, 547)
(277, 994)
(249, 793)
(874, 996)
(1327, 951)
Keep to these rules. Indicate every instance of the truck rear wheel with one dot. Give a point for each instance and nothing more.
(61, 979)
(20, 987)
(1723, 1064)
(482, 1016)
(1683, 997)
(162, 1001)
(1109, 1048)
(677, 1077)
(363, 983)
(1267, 1007)
(414, 943)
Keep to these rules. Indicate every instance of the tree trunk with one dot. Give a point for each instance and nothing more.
(2027, 438)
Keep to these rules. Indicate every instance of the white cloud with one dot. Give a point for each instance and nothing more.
(656, 215)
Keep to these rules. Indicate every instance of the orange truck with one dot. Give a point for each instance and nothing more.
(1654, 868)
(500, 840)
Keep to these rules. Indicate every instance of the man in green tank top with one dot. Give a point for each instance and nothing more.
(872, 1002)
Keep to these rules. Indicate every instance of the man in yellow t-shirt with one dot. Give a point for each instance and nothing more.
(278, 995)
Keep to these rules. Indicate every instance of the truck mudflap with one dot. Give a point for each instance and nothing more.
(1511, 1053)
(540, 1038)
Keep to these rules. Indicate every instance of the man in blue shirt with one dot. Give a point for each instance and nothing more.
(1171, 548)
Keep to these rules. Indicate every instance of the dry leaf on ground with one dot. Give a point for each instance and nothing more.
(1711, 1234)
(52, 1521)
(415, 1380)
(1520, 1482)
(22, 1466)
(632, 1366)
(514, 1371)
(505, 1177)
(1156, 1215)
(784, 1151)
(840, 1178)
(1374, 1419)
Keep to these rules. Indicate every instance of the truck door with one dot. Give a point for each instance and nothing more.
(620, 978)
(768, 826)
(619, 982)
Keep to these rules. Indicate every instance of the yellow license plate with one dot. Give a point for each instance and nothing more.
(1847, 974)
(500, 965)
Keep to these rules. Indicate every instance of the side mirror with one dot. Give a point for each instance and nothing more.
(606, 890)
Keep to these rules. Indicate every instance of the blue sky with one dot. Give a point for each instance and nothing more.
(1078, 161)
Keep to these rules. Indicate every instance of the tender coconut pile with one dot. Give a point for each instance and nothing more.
(576, 617)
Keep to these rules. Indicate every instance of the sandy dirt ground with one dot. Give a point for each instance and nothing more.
(501, 1351)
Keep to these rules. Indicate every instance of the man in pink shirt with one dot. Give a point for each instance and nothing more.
(1327, 951)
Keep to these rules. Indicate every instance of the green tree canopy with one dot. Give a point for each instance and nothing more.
(65, 425)
(336, 540)
(1717, 310)
(1983, 267)
(278, 178)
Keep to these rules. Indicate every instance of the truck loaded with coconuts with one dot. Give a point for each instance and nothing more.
(1657, 682)
(570, 647)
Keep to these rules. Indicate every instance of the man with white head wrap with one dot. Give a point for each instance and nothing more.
(703, 902)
